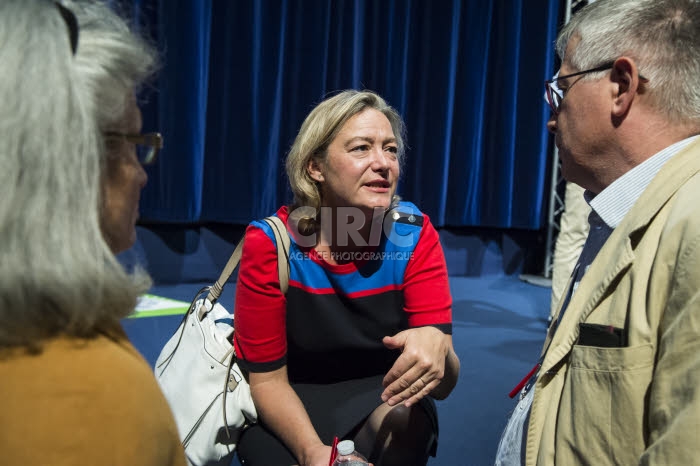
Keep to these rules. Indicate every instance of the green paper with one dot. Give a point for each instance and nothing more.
(150, 305)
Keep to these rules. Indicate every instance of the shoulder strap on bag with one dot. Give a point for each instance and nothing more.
(283, 243)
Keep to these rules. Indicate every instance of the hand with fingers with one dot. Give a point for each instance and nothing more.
(316, 456)
(419, 369)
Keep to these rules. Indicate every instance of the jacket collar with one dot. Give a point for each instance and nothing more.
(618, 252)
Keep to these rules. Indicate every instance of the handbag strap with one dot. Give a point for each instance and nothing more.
(283, 243)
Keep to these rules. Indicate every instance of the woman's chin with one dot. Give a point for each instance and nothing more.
(381, 202)
(121, 242)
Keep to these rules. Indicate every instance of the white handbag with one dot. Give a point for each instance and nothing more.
(197, 370)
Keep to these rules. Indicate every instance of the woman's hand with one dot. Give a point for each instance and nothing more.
(421, 366)
(283, 413)
(318, 455)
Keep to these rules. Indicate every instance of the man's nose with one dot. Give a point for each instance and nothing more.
(552, 124)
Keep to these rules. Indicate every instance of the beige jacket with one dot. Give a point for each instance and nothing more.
(639, 404)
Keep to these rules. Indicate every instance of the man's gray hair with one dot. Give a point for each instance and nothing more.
(57, 273)
(662, 36)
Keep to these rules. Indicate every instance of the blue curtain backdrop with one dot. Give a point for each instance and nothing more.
(239, 76)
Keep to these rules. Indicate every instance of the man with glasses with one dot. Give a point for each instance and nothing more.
(618, 381)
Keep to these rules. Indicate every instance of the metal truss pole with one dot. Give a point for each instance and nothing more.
(556, 202)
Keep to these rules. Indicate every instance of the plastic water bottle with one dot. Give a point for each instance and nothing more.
(347, 456)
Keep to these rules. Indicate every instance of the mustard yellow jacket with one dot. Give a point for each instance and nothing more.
(84, 402)
(638, 404)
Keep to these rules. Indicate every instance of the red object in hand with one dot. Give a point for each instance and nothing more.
(333, 451)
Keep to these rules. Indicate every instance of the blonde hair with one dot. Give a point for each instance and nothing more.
(317, 132)
(57, 274)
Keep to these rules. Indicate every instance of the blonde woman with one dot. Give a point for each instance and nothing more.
(361, 342)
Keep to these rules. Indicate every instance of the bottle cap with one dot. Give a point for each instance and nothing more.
(346, 447)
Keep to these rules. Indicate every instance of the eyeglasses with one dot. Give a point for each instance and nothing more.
(555, 95)
(147, 145)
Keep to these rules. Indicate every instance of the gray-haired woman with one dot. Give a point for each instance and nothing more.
(75, 391)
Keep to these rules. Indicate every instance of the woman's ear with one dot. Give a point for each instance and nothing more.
(314, 170)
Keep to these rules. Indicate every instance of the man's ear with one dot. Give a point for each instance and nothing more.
(626, 77)
(314, 170)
